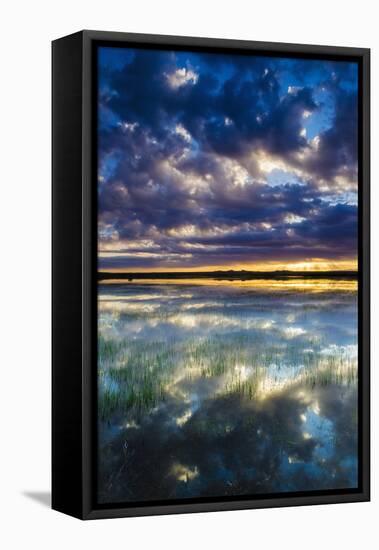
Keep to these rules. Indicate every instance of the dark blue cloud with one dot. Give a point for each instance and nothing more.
(181, 141)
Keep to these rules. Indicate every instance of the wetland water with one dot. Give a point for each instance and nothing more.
(214, 388)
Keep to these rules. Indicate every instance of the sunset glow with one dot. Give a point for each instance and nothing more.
(217, 162)
(228, 287)
(310, 265)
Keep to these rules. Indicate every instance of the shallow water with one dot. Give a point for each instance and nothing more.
(210, 388)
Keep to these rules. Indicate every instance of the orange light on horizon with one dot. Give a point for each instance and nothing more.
(314, 264)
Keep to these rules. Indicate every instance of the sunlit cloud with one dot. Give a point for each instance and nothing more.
(293, 218)
(208, 169)
(181, 131)
(181, 77)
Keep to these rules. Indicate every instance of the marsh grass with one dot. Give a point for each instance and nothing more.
(335, 370)
(138, 374)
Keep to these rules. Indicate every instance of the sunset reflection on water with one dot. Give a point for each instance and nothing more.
(212, 388)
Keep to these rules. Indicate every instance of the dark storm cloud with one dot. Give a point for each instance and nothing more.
(338, 147)
(179, 142)
(141, 93)
(259, 117)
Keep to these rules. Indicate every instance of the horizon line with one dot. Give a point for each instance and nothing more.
(295, 271)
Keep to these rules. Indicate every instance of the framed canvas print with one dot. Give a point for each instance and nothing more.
(210, 274)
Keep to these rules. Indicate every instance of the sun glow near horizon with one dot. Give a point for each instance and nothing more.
(316, 264)
(193, 185)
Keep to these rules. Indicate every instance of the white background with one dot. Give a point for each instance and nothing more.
(27, 27)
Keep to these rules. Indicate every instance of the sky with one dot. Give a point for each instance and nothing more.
(218, 161)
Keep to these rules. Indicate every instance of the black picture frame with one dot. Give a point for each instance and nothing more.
(74, 294)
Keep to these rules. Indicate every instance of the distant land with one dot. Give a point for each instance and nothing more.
(230, 275)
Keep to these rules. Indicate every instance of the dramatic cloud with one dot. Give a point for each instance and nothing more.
(218, 160)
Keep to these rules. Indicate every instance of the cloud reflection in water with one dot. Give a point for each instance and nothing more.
(225, 390)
